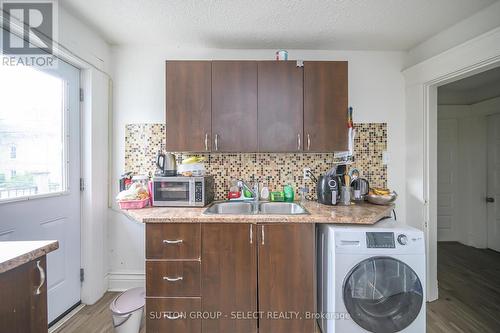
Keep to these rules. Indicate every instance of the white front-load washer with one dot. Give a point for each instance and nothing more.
(371, 278)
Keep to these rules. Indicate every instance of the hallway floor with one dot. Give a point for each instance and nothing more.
(469, 296)
(469, 291)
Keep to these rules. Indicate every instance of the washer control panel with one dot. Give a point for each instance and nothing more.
(380, 240)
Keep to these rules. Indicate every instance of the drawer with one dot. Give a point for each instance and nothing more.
(173, 315)
(174, 241)
(173, 278)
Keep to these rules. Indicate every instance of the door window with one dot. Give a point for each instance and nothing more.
(383, 295)
(32, 133)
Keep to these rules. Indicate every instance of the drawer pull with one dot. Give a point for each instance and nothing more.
(177, 241)
(175, 317)
(169, 279)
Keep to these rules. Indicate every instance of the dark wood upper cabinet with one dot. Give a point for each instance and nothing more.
(234, 106)
(256, 106)
(325, 106)
(229, 270)
(280, 106)
(188, 105)
(286, 276)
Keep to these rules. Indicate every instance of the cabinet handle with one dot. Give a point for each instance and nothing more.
(178, 316)
(42, 278)
(308, 142)
(251, 234)
(169, 279)
(298, 141)
(177, 241)
(206, 141)
(216, 142)
(263, 235)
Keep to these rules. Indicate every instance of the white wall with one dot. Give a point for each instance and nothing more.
(376, 92)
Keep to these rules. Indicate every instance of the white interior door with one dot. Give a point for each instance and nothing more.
(40, 170)
(447, 179)
(494, 182)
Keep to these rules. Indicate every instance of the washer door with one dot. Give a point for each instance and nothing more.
(382, 294)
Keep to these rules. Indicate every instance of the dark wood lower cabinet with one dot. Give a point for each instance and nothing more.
(248, 278)
(229, 283)
(179, 315)
(22, 308)
(286, 278)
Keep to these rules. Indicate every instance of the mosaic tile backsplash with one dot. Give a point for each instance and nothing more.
(144, 141)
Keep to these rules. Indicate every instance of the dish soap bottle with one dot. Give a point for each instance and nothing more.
(289, 193)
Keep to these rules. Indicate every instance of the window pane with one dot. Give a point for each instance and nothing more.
(32, 149)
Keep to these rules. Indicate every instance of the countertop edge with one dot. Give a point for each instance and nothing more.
(31, 255)
(341, 217)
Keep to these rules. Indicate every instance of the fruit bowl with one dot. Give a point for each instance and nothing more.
(382, 199)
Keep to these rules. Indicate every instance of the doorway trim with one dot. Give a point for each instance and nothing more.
(422, 80)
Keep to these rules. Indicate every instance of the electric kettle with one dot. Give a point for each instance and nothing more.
(167, 165)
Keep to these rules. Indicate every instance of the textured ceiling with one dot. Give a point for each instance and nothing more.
(473, 89)
(307, 24)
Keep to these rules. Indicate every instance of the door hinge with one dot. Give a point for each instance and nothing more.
(82, 274)
(82, 184)
(81, 95)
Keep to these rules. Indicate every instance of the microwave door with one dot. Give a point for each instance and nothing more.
(174, 193)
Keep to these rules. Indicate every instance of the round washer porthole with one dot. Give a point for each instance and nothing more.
(383, 295)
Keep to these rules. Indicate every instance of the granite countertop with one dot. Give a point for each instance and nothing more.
(16, 253)
(363, 213)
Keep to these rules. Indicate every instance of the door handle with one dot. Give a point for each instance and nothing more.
(308, 142)
(216, 142)
(263, 236)
(176, 241)
(490, 200)
(251, 234)
(206, 141)
(298, 141)
(42, 278)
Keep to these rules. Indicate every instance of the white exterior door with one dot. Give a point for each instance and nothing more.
(494, 182)
(447, 179)
(40, 170)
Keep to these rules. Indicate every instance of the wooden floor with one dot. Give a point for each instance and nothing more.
(92, 319)
(469, 296)
(469, 291)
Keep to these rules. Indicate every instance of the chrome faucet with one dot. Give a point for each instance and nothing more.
(253, 190)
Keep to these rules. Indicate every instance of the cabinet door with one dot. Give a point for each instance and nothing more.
(280, 97)
(229, 277)
(325, 106)
(188, 105)
(234, 106)
(22, 308)
(286, 258)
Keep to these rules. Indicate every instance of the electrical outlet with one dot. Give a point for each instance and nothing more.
(306, 173)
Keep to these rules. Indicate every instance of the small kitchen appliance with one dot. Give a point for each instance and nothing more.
(167, 165)
(183, 191)
(327, 189)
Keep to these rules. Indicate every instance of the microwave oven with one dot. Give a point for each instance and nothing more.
(183, 191)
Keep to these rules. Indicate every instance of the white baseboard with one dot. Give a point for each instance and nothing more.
(120, 281)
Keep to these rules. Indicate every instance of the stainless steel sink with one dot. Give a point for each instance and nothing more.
(250, 208)
(235, 207)
(282, 208)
